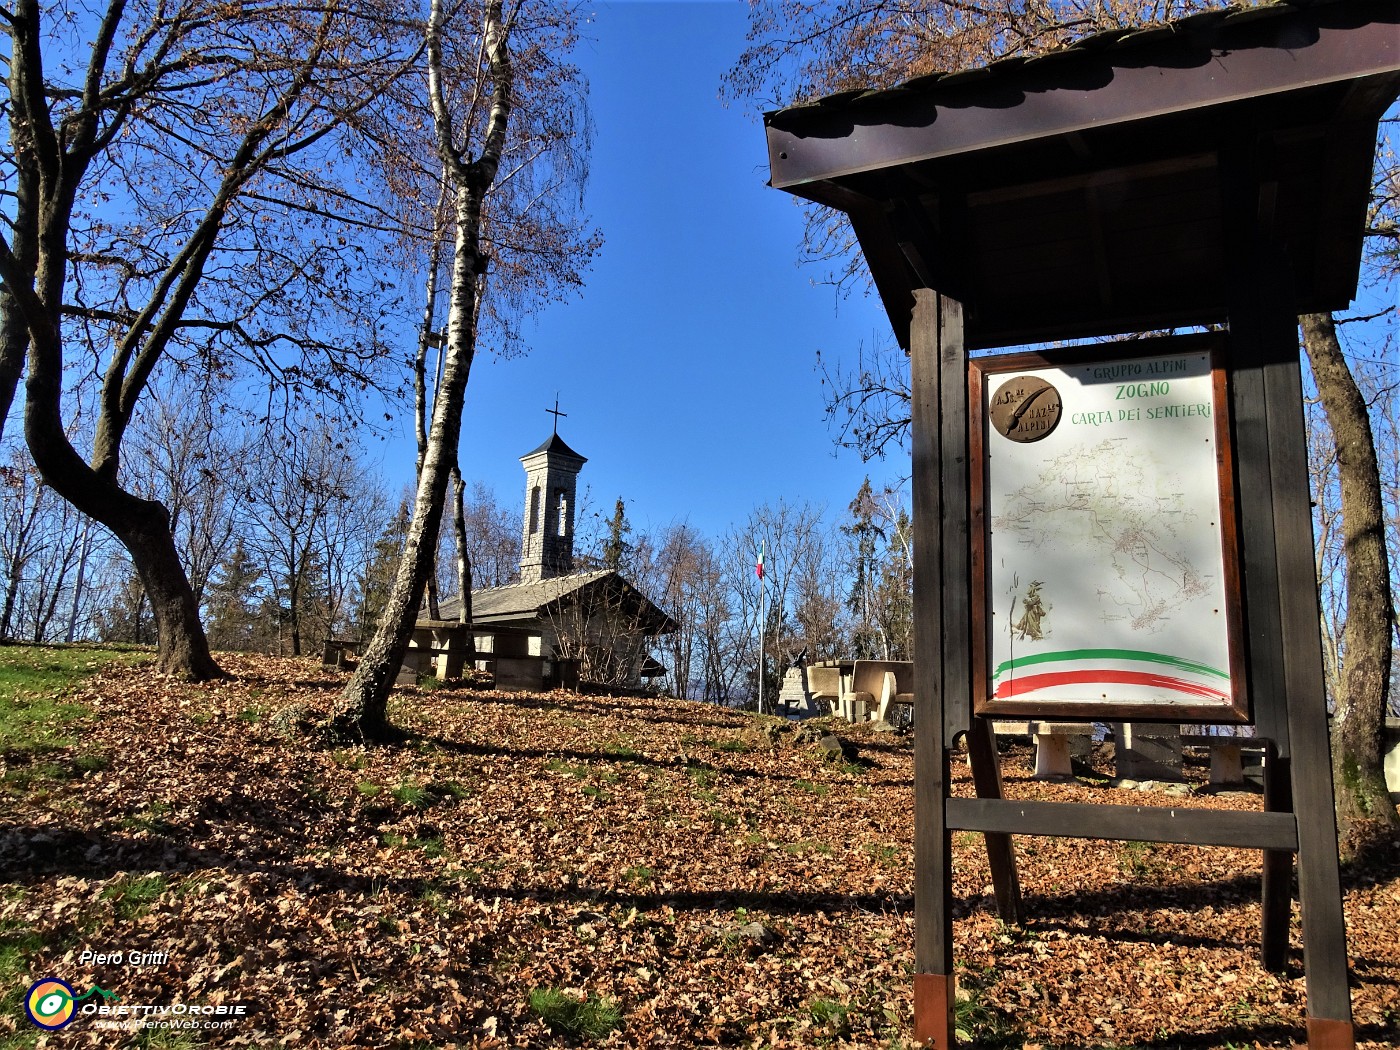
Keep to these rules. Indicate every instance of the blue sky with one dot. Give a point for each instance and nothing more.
(687, 367)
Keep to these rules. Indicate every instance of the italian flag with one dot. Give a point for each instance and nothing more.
(759, 567)
(1126, 675)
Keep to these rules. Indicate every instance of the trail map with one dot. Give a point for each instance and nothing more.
(1105, 564)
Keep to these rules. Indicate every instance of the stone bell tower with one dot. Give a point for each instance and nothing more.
(551, 479)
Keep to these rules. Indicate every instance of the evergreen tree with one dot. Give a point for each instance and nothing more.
(234, 602)
(616, 549)
(378, 578)
(862, 600)
(894, 596)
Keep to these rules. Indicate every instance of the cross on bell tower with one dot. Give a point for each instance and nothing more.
(551, 482)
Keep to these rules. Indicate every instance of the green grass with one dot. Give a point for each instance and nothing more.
(703, 777)
(18, 944)
(590, 1017)
(731, 745)
(812, 789)
(133, 895)
(1138, 861)
(152, 819)
(884, 853)
(36, 716)
(558, 765)
(639, 874)
(429, 845)
(413, 795)
(834, 1016)
(976, 1022)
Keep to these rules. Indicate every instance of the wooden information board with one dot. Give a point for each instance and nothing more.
(1104, 542)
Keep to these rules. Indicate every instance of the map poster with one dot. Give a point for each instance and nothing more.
(1103, 528)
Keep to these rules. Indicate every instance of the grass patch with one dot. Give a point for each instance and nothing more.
(133, 895)
(588, 1017)
(574, 769)
(883, 853)
(414, 795)
(429, 845)
(347, 759)
(731, 745)
(151, 819)
(703, 777)
(812, 788)
(622, 750)
(35, 681)
(1137, 861)
(975, 1022)
(18, 944)
(638, 875)
(368, 788)
(832, 1015)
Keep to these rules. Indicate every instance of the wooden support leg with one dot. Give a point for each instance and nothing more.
(1286, 676)
(934, 995)
(1278, 870)
(1001, 854)
(933, 869)
(1330, 1035)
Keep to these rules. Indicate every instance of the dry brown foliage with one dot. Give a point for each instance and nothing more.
(413, 895)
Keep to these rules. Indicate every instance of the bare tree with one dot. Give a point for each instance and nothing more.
(1362, 680)
(790, 535)
(300, 519)
(171, 187)
(43, 545)
(184, 454)
(476, 86)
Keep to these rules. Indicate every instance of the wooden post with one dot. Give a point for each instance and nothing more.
(1310, 763)
(935, 343)
(1286, 675)
(1001, 853)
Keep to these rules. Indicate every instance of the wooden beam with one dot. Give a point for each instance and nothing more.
(1001, 852)
(1319, 882)
(1286, 675)
(1079, 820)
(1091, 90)
(933, 861)
(955, 540)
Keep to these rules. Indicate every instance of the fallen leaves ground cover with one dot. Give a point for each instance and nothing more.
(662, 864)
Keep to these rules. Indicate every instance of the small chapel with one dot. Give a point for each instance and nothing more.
(592, 624)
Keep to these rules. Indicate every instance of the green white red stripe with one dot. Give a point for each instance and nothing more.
(1121, 675)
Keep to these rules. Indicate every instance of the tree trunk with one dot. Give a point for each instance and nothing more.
(142, 526)
(1358, 723)
(464, 560)
(362, 708)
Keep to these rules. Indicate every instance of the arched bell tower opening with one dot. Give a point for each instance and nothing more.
(551, 483)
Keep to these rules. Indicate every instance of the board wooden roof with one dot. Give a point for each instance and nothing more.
(1085, 192)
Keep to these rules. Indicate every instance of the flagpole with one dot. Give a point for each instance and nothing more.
(760, 628)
